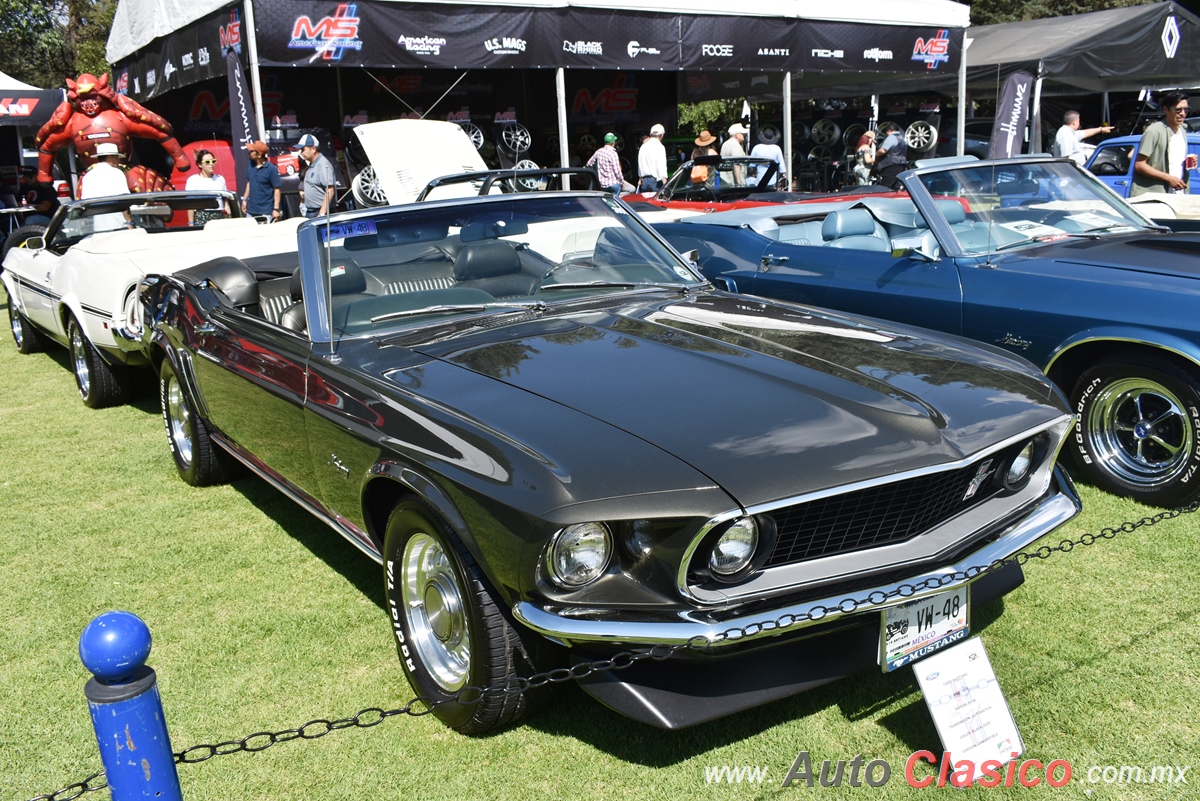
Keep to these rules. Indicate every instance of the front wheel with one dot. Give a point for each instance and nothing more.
(27, 338)
(198, 459)
(451, 634)
(100, 383)
(1137, 429)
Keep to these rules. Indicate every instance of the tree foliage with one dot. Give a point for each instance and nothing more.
(46, 41)
(990, 12)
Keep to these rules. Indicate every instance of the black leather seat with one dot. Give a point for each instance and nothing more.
(494, 267)
(292, 318)
(232, 277)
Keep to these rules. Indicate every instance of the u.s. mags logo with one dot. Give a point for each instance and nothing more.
(329, 37)
(933, 51)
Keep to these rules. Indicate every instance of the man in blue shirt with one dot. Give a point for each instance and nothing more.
(260, 197)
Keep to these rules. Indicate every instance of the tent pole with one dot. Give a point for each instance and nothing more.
(560, 86)
(1104, 112)
(1035, 146)
(787, 127)
(255, 78)
(962, 98)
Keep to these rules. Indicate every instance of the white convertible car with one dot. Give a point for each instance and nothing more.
(76, 285)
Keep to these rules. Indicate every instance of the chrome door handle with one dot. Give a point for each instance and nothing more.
(769, 259)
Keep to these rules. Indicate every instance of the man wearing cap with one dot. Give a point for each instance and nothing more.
(892, 157)
(608, 165)
(260, 197)
(768, 149)
(652, 161)
(105, 178)
(319, 181)
(733, 149)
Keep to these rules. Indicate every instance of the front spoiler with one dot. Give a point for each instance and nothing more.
(593, 626)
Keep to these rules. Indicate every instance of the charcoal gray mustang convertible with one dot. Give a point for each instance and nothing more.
(561, 442)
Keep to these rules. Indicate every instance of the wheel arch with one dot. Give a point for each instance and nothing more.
(388, 480)
(1074, 356)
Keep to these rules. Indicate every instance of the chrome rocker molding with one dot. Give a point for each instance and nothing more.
(559, 624)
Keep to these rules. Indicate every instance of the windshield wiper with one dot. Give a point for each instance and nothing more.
(450, 308)
(1028, 239)
(617, 284)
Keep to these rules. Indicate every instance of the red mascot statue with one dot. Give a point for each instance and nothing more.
(93, 113)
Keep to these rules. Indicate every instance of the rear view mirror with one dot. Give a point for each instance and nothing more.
(153, 210)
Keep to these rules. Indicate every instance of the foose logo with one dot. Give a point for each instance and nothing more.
(722, 50)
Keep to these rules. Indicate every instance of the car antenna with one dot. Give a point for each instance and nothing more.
(329, 280)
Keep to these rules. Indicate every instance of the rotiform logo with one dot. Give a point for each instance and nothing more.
(877, 55)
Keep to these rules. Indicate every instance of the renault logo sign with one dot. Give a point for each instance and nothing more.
(1170, 36)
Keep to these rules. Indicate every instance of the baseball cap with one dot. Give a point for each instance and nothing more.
(308, 140)
(737, 128)
(610, 138)
(657, 130)
(108, 149)
(257, 146)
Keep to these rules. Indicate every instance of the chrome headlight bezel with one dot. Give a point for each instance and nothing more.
(572, 541)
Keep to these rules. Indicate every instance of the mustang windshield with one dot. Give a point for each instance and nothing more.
(1015, 205)
(425, 265)
(713, 178)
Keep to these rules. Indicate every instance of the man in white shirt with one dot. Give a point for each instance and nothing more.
(652, 161)
(733, 149)
(768, 149)
(1066, 141)
(105, 178)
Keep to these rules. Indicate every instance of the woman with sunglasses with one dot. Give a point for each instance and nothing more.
(206, 180)
(1162, 162)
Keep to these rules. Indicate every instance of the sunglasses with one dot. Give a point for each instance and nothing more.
(209, 161)
(1180, 109)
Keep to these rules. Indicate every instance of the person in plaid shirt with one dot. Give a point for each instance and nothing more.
(608, 165)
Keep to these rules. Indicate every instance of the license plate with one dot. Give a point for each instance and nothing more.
(918, 628)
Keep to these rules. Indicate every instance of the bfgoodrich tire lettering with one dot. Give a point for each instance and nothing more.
(100, 384)
(450, 632)
(198, 459)
(1137, 432)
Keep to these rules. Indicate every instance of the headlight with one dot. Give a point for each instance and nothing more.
(133, 314)
(735, 548)
(1021, 466)
(580, 554)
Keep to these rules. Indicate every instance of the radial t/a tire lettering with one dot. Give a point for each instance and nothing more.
(199, 460)
(1138, 429)
(452, 636)
(100, 383)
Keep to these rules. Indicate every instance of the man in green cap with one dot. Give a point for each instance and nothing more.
(608, 165)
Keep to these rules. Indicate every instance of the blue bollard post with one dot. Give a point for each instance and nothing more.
(127, 712)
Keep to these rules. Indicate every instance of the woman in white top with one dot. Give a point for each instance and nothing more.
(206, 179)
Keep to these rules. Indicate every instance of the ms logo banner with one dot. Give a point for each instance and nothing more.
(329, 37)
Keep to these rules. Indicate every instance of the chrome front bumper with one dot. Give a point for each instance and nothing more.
(571, 626)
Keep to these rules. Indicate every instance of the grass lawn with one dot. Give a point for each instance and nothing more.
(264, 619)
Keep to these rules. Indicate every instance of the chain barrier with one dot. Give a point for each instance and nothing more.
(420, 706)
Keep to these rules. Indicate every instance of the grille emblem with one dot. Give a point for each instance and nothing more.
(981, 475)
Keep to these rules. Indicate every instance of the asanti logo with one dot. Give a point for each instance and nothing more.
(634, 48)
(821, 53)
(231, 34)
(722, 50)
(422, 45)
(933, 51)
(774, 51)
(331, 36)
(877, 55)
(505, 46)
(584, 48)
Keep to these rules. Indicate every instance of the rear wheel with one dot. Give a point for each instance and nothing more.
(100, 383)
(27, 338)
(1137, 430)
(451, 634)
(199, 460)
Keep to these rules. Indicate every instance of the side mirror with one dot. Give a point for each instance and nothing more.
(693, 256)
(34, 243)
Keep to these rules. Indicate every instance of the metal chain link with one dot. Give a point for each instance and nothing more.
(420, 706)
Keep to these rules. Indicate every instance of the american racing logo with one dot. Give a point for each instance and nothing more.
(774, 51)
(505, 46)
(21, 107)
(821, 53)
(634, 48)
(584, 48)
(933, 51)
(231, 34)
(423, 45)
(329, 37)
(877, 55)
(722, 50)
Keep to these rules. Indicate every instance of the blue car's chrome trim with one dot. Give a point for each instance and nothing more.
(1125, 334)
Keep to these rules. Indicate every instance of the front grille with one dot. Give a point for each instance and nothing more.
(876, 516)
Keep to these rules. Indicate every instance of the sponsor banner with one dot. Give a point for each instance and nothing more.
(836, 46)
(29, 107)
(739, 43)
(241, 114)
(602, 39)
(189, 55)
(696, 86)
(1012, 115)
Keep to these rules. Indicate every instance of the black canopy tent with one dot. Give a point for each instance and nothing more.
(23, 110)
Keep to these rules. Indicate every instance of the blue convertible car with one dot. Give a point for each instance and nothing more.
(1032, 254)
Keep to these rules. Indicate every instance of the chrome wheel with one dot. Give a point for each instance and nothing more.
(516, 138)
(473, 133)
(17, 326)
(79, 361)
(920, 136)
(1141, 431)
(179, 421)
(436, 614)
(366, 188)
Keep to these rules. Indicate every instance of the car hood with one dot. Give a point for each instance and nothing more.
(767, 400)
(1175, 254)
